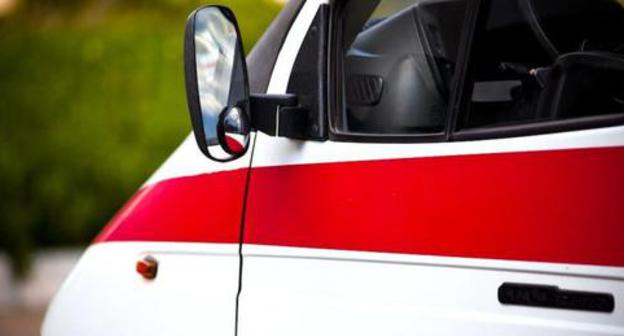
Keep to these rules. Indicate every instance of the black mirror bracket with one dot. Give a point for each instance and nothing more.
(279, 115)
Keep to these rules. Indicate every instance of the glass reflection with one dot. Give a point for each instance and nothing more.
(215, 50)
(235, 131)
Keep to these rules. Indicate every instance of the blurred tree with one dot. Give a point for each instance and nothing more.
(91, 102)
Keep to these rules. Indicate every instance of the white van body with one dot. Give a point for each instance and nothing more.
(360, 238)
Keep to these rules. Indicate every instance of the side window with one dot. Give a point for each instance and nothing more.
(396, 62)
(541, 61)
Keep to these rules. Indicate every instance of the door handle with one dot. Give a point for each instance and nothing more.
(545, 296)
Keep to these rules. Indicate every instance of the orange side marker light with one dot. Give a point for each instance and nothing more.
(147, 267)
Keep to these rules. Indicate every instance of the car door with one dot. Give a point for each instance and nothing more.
(441, 203)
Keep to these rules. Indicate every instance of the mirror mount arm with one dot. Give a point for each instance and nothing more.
(278, 115)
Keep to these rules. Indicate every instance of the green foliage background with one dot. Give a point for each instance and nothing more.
(92, 100)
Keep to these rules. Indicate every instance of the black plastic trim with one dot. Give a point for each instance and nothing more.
(192, 93)
(545, 127)
(265, 109)
(546, 296)
(459, 95)
(308, 80)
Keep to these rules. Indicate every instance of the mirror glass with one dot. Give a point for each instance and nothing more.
(233, 131)
(221, 84)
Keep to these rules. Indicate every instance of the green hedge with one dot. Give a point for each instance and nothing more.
(91, 102)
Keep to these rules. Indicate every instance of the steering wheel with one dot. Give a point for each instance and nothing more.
(527, 7)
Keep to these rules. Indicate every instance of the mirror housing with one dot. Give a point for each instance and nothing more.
(223, 113)
(216, 83)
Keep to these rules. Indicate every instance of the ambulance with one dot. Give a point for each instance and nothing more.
(379, 167)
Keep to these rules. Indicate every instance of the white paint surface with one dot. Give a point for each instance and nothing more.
(274, 151)
(194, 292)
(188, 160)
(289, 291)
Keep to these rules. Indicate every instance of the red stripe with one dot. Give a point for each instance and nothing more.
(204, 208)
(557, 206)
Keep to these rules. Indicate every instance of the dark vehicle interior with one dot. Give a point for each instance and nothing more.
(552, 60)
(404, 63)
(532, 60)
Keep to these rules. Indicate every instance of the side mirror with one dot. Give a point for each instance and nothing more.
(216, 83)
